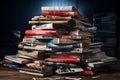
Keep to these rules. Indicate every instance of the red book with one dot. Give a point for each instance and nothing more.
(40, 32)
(63, 59)
(40, 36)
(87, 72)
(60, 13)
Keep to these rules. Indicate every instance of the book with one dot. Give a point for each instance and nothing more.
(70, 37)
(58, 8)
(66, 70)
(37, 48)
(83, 22)
(33, 54)
(86, 72)
(61, 13)
(42, 26)
(30, 70)
(63, 59)
(70, 23)
(89, 29)
(44, 22)
(33, 41)
(41, 36)
(16, 59)
(57, 64)
(25, 57)
(50, 26)
(31, 73)
(99, 64)
(51, 45)
(40, 32)
(51, 18)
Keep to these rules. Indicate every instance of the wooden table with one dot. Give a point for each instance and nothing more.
(9, 74)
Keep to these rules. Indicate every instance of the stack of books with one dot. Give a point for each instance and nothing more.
(60, 42)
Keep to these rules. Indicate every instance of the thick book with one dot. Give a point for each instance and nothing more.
(40, 32)
(60, 13)
(58, 8)
(16, 59)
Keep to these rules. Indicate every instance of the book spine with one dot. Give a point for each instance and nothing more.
(44, 22)
(31, 70)
(69, 37)
(43, 26)
(77, 50)
(51, 45)
(51, 18)
(41, 36)
(17, 60)
(89, 29)
(59, 8)
(31, 73)
(29, 40)
(37, 48)
(40, 32)
(60, 13)
(64, 59)
(63, 41)
(87, 73)
(85, 23)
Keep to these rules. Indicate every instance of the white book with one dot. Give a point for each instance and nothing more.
(70, 70)
(57, 8)
(77, 50)
(42, 26)
(92, 64)
(14, 58)
(37, 48)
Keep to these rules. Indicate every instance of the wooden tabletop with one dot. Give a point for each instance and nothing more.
(10, 74)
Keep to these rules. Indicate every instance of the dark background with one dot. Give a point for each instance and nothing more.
(15, 14)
